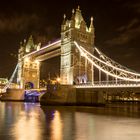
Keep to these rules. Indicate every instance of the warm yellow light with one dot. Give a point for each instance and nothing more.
(27, 129)
(58, 79)
(36, 61)
(27, 59)
(56, 127)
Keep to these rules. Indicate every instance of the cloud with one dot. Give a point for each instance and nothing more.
(45, 34)
(126, 33)
(130, 25)
(17, 23)
(28, 24)
(133, 5)
(136, 7)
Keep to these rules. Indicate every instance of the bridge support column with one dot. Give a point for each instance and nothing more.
(73, 66)
(29, 68)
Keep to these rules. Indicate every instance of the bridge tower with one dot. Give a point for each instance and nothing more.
(73, 65)
(28, 67)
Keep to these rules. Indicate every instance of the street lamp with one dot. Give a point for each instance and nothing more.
(58, 79)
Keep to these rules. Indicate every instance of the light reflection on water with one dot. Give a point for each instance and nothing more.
(56, 127)
(27, 121)
(26, 127)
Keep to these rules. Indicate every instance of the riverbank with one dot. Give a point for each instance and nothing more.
(13, 95)
(71, 96)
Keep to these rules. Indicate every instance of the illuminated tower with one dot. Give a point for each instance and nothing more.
(73, 65)
(29, 69)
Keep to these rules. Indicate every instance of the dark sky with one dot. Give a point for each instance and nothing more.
(117, 27)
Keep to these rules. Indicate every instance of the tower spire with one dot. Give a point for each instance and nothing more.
(63, 23)
(78, 7)
(72, 11)
(73, 18)
(91, 28)
(78, 17)
(64, 16)
(64, 19)
(30, 41)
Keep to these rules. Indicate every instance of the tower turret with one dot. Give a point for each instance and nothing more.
(63, 23)
(72, 64)
(91, 28)
(73, 19)
(78, 17)
(30, 44)
(28, 67)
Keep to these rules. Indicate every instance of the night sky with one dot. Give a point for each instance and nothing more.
(117, 27)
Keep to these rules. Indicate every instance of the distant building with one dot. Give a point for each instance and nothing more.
(3, 82)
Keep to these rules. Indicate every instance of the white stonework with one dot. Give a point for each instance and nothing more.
(73, 65)
(28, 69)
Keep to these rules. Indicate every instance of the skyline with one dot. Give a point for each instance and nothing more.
(116, 23)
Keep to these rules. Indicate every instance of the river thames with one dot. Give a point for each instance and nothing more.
(30, 121)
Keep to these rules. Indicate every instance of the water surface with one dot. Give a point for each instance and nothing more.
(29, 121)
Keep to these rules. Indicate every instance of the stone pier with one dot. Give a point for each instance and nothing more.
(13, 95)
(69, 95)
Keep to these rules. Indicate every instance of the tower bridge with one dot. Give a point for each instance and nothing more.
(71, 70)
(80, 61)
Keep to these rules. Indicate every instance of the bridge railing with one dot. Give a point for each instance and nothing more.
(108, 84)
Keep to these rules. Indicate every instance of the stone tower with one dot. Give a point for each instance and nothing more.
(28, 69)
(73, 65)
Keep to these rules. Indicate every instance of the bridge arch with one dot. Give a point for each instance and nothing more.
(29, 85)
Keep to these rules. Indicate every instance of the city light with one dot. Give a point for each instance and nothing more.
(27, 59)
(58, 79)
(37, 62)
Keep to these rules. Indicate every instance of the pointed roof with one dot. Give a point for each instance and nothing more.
(91, 28)
(30, 44)
(64, 19)
(73, 18)
(78, 17)
(30, 41)
(73, 15)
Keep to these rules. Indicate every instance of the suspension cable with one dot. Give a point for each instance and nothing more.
(106, 58)
(11, 78)
(105, 63)
(130, 78)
